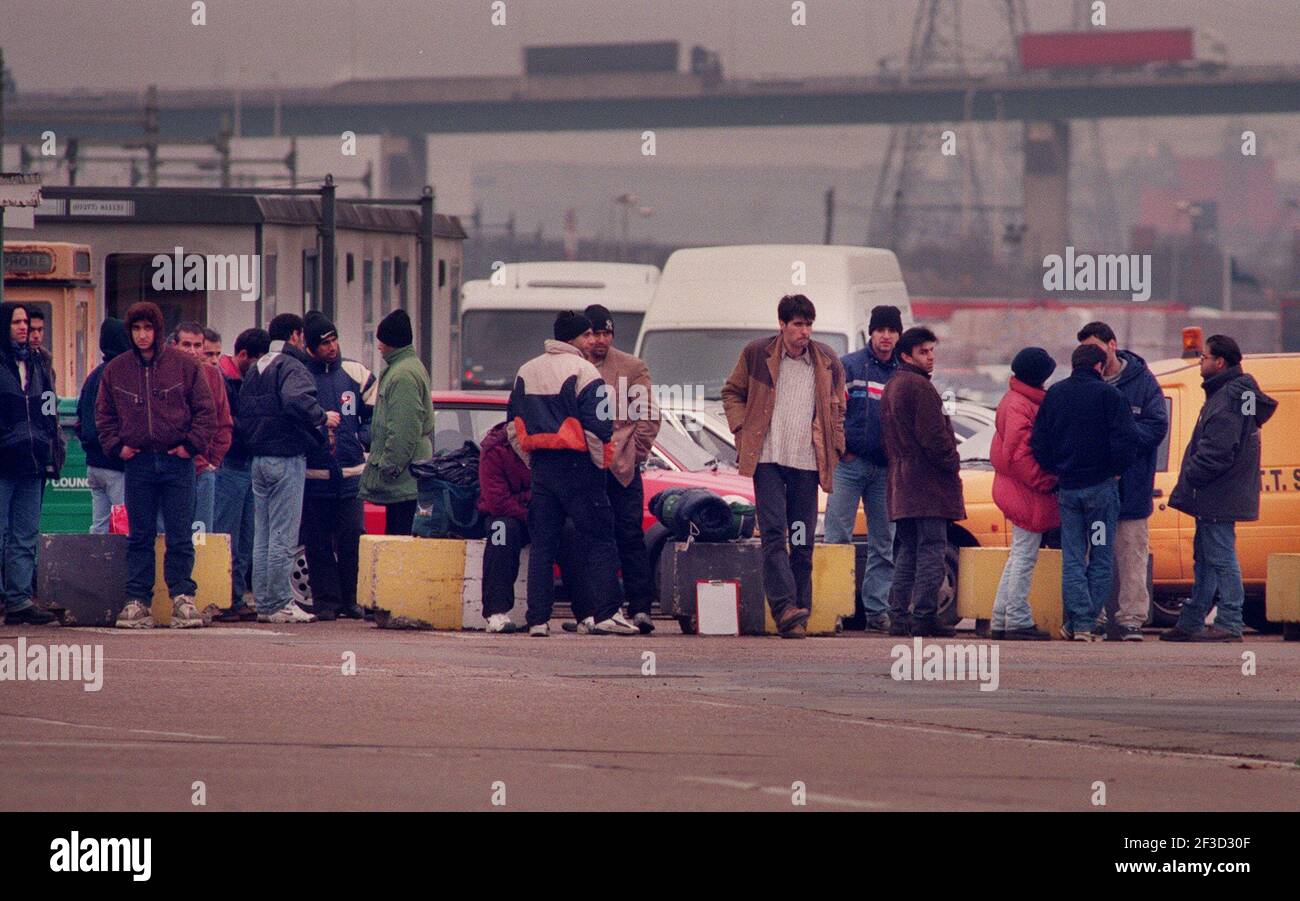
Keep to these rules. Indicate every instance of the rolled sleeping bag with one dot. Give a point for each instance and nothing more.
(704, 514)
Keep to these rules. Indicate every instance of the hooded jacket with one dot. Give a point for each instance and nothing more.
(1021, 489)
(28, 420)
(1219, 478)
(279, 415)
(504, 481)
(1084, 431)
(865, 377)
(349, 389)
(154, 405)
(113, 341)
(1151, 423)
(924, 468)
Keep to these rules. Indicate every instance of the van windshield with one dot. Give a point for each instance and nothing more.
(495, 343)
(707, 356)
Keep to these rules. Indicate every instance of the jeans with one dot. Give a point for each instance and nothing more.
(1088, 520)
(919, 570)
(233, 516)
(860, 479)
(566, 485)
(628, 507)
(277, 514)
(107, 490)
(20, 521)
(786, 499)
(1129, 603)
(159, 485)
(1215, 571)
(331, 535)
(506, 538)
(1011, 605)
(205, 489)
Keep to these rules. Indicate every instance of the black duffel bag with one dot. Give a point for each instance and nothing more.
(447, 502)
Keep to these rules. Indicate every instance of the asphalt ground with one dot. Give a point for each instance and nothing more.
(265, 718)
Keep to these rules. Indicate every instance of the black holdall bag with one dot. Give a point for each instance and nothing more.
(447, 502)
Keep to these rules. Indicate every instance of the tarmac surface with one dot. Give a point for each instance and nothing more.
(266, 719)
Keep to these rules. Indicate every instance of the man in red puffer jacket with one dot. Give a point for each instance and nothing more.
(504, 491)
(1023, 492)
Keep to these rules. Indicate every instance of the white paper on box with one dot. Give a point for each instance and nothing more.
(717, 607)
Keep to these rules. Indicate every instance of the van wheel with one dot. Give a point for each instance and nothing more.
(299, 581)
(948, 590)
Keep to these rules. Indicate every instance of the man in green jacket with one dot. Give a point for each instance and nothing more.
(402, 429)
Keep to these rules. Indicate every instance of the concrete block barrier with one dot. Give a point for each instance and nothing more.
(833, 588)
(472, 594)
(979, 569)
(412, 582)
(1282, 589)
(85, 575)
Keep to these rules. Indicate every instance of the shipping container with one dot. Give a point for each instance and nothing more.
(1082, 49)
(579, 59)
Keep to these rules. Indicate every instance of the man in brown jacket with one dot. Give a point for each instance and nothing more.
(628, 401)
(155, 412)
(923, 492)
(785, 405)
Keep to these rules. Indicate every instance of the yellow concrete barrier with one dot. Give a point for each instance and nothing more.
(833, 586)
(211, 574)
(979, 569)
(420, 580)
(1282, 589)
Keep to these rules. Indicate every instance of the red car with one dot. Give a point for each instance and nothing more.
(676, 461)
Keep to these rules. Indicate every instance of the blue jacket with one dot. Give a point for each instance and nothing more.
(348, 388)
(1151, 420)
(865, 378)
(1084, 432)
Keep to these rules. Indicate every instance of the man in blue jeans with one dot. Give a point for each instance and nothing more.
(1219, 485)
(863, 472)
(279, 419)
(1084, 435)
(155, 412)
(233, 508)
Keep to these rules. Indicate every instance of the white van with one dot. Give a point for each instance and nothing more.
(504, 319)
(712, 301)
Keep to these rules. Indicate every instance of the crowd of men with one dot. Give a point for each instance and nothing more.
(281, 442)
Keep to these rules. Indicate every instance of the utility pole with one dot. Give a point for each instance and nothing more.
(830, 216)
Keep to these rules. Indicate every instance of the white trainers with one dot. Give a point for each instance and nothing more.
(616, 625)
(289, 613)
(184, 614)
(135, 615)
(541, 630)
(500, 622)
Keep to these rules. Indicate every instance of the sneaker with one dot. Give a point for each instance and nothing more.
(541, 630)
(30, 616)
(644, 623)
(1068, 633)
(184, 614)
(289, 613)
(1215, 633)
(500, 622)
(135, 615)
(878, 623)
(618, 624)
(582, 627)
(1028, 633)
(1125, 633)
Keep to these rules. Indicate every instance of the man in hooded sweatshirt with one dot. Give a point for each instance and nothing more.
(155, 412)
(103, 473)
(1219, 485)
(28, 425)
(1129, 602)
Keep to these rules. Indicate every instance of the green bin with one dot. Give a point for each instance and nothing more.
(66, 507)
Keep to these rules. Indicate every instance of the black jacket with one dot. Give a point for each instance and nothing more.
(29, 420)
(1084, 432)
(1151, 420)
(1219, 478)
(278, 412)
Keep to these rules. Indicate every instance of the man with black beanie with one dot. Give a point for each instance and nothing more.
(556, 427)
(402, 428)
(332, 511)
(104, 474)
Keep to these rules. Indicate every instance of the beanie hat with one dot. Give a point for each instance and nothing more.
(885, 316)
(395, 329)
(316, 327)
(1033, 366)
(569, 325)
(113, 338)
(599, 317)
